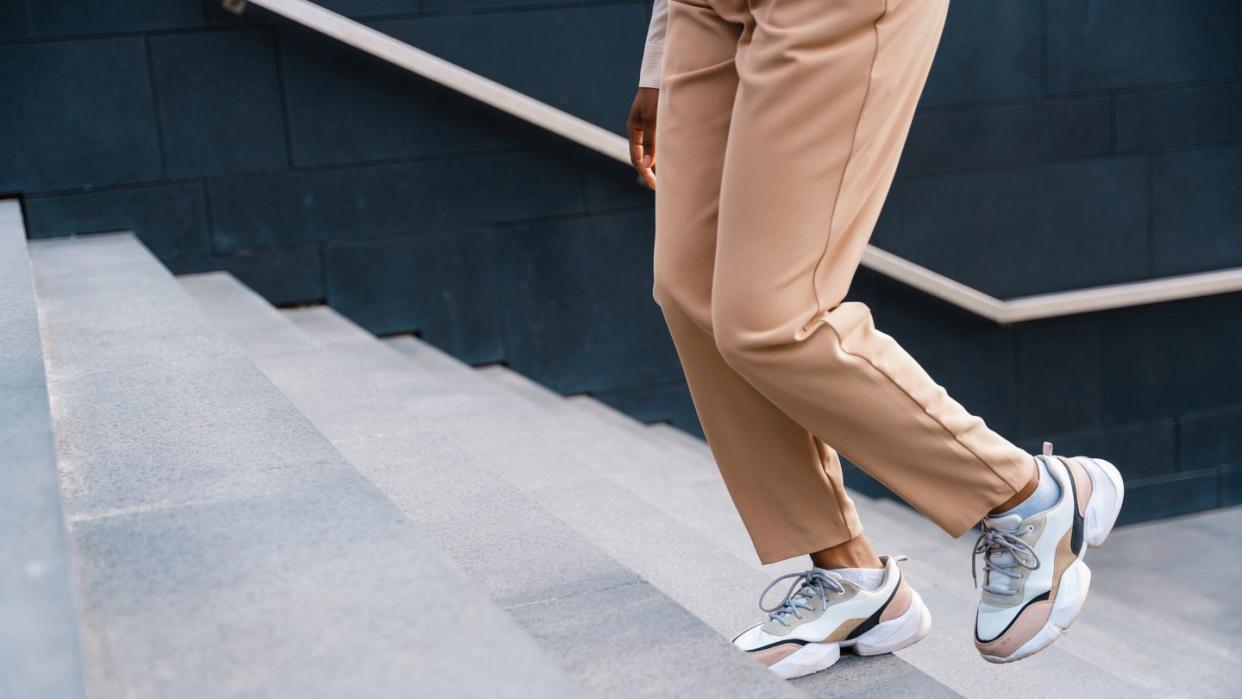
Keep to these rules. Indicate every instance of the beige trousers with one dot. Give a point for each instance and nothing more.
(779, 127)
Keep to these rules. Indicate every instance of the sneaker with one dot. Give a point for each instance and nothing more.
(1034, 579)
(823, 613)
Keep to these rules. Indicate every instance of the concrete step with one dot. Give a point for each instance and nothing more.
(693, 496)
(324, 325)
(261, 330)
(676, 438)
(221, 546)
(442, 451)
(647, 539)
(39, 643)
(948, 657)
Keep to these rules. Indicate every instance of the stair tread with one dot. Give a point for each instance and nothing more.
(219, 292)
(39, 640)
(694, 463)
(937, 556)
(510, 545)
(325, 325)
(631, 530)
(210, 554)
(715, 516)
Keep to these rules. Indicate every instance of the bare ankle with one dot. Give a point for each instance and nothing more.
(855, 553)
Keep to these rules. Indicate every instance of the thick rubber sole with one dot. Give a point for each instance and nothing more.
(1107, 494)
(887, 637)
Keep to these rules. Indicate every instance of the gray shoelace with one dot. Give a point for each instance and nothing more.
(1003, 552)
(805, 587)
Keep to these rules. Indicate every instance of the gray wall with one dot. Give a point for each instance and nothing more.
(1060, 144)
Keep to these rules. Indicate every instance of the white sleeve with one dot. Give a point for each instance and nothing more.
(653, 52)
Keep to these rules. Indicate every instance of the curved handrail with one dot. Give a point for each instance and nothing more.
(582, 132)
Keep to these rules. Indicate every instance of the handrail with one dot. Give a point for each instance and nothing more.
(584, 133)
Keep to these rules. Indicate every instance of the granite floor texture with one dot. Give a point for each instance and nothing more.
(246, 501)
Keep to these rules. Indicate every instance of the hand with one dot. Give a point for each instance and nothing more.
(641, 126)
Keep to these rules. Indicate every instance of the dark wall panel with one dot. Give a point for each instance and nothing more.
(443, 286)
(1170, 496)
(14, 20)
(1109, 44)
(1230, 488)
(583, 60)
(1059, 387)
(281, 276)
(1040, 229)
(577, 304)
(345, 106)
(1179, 117)
(76, 114)
(1172, 358)
(1210, 438)
(170, 219)
(989, 51)
(219, 102)
(979, 137)
(1197, 210)
(286, 209)
(79, 17)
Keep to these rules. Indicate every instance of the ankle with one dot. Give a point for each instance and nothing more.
(855, 553)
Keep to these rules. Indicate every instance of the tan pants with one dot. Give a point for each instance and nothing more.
(779, 127)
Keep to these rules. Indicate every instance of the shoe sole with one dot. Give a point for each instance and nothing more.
(887, 637)
(1107, 494)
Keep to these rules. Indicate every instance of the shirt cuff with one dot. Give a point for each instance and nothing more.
(653, 56)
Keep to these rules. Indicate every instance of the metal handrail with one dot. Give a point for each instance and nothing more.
(584, 133)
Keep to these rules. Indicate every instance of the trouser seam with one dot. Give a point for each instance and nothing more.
(951, 433)
(849, 158)
(836, 494)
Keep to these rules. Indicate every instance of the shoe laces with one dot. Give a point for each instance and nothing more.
(805, 588)
(1004, 552)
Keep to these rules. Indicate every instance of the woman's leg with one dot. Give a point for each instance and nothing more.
(825, 96)
(786, 484)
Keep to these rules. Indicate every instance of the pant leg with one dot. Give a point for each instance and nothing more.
(785, 483)
(825, 98)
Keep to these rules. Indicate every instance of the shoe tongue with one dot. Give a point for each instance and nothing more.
(1006, 523)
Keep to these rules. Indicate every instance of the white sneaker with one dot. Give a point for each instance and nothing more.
(823, 613)
(1035, 581)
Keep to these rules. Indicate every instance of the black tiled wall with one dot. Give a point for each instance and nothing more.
(1060, 144)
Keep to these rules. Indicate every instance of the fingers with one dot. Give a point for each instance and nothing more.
(649, 146)
(642, 161)
(648, 175)
(640, 127)
(636, 147)
(649, 155)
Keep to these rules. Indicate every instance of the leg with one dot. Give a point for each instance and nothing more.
(786, 484)
(825, 98)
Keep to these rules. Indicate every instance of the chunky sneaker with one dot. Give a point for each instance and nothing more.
(1035, 581)
(823, 613)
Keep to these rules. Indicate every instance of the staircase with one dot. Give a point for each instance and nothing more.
(275, 503)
